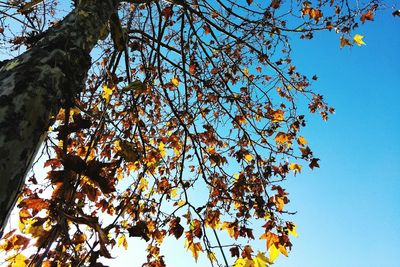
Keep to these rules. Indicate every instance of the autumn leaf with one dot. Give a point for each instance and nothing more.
(246, 72)
(358, 39)
(122, 241)
(243, 263)
(369, 15)
(127, 150)
(195, 248)
(301, 141)
(344, 41)
(175, 81)
(231, 228)
(295, 167)
(273, 253)
(192, 69)
(176, 228)
(248, 157)
(211, 256)
(279, 203)
(161, 149)
(276, 115)
(18, 260)
(292, 230)
(283, 138)
(139, 230)
(270, 237)
(107, 92)
(314, 163)
(260, 260)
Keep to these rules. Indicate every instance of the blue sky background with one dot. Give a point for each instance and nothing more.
(348, 210)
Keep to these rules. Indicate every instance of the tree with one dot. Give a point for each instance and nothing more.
(176, 92)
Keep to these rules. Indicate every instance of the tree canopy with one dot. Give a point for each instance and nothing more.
(157, 119)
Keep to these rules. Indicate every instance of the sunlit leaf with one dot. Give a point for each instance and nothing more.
(282, 138)
(107, 92)
(18, 260)
(195, 248)
(122, 241)
(175, 81)
(260, 260)
(295, 167)
(358, 39)
(273, 253)
(301, 141)
(248, 157)
(292, 231)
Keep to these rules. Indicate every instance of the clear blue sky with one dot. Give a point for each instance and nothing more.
(348, 210)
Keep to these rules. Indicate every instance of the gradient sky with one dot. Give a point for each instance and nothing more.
(348, 210)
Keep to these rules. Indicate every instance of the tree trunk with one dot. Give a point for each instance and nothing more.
(33, 87)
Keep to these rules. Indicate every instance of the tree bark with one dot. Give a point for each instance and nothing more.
(33, 87)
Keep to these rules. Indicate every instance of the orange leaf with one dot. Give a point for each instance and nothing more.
(367, 16)
(301, 141)
(195, 248)
(282, 138)
(344, 42)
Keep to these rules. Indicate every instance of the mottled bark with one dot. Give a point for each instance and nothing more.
(36, 84)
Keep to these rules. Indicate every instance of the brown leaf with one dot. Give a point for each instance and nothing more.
(35, 203)
(314, 163)
(139, 230)
(367, 16)
(234, 251)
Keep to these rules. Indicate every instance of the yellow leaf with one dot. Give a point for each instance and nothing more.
(231, 229)
(211, 256)
(143, 184)
(180, 203)
(161, 148)
(358, 39)
(174, 192)
(107, 92)
(122, 240)
(295, 167)
(248, 157)
(246, 72)
(195, 248)
(243, 263)
(175, 81)
(293, 230)
(283, 250)
(273, 253)
(280, 203)
(17, 261)
(261, 260)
